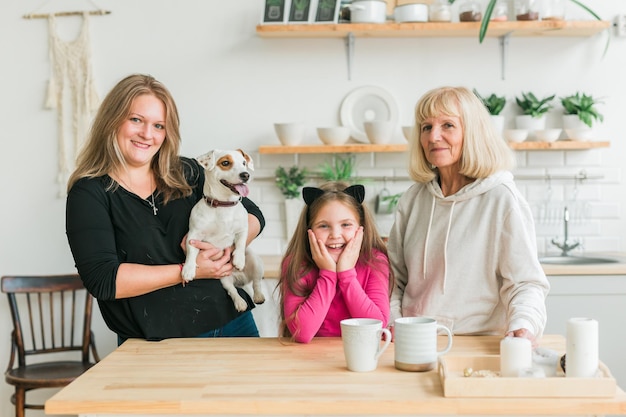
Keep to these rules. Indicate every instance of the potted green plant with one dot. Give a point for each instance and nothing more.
(289, 182)
(494, 105)
(339, 169)
(583, 107)
(580, 113)
(533, 111)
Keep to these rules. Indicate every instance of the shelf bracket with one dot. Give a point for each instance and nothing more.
(350, 53)
(504, 46)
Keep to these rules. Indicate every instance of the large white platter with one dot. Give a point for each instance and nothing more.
(365, 104)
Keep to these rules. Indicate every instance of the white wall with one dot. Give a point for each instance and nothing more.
(231, 86)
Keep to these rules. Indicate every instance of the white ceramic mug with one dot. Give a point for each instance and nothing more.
(415, 343)
(362, 343)
(379, 131)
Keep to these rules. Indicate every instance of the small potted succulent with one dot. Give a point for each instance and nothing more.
(494, 104)
(533, 111)
(580, 113)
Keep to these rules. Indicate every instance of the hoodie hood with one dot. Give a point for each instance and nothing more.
(478, 187)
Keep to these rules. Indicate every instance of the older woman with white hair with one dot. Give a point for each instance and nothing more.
(463, 246)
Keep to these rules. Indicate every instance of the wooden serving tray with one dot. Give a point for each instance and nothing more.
(455, 384)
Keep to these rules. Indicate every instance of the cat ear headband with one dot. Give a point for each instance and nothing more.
(310, 194)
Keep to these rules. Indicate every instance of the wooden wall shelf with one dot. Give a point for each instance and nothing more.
(561, 145)
(347, 148)
(553, 28)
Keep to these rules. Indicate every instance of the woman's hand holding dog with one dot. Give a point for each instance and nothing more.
(212, 262)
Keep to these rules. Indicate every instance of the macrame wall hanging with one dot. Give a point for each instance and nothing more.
(71, 88)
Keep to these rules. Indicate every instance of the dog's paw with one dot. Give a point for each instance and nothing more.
(240, 304)
(239, 261)
(189, 272)
(258, 298)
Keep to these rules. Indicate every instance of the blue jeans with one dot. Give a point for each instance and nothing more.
(242, 326)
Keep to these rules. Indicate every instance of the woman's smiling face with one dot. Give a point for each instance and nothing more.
(142, 133)
(335, 225)
(442, 140)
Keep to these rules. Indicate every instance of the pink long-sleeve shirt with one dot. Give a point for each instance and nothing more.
(360, 292)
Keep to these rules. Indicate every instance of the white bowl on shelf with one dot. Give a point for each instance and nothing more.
(290, 134)
(407, 131)
(336, 135)
(379, 132)
(583, 134)
(548, 135)
(515, 135)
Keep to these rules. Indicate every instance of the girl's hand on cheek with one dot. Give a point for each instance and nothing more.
(320, 255)
(350, 255)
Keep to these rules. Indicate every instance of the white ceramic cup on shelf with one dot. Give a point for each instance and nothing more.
(415, 343)
(379, 132)
(362, 343)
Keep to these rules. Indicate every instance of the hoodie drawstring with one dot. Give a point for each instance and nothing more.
(445, 247)
(430, 223)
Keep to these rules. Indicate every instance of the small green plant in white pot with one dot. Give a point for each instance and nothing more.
(494, 105)
(580, 113)
(534, 111)
(290, 182)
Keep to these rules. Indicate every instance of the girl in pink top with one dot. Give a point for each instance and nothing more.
(335, 266)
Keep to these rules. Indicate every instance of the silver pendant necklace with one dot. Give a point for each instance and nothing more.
(152, 203)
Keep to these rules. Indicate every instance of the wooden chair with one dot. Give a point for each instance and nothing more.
(48, 322)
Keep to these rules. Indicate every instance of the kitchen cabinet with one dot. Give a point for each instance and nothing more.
(501, 30)
(600, 297)
(563, 145)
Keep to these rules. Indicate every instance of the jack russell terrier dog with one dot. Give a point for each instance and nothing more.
(221, 220)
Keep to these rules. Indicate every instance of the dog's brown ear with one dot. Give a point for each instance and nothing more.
(248, 159)
(207, 160)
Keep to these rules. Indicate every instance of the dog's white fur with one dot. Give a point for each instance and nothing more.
(223, 226)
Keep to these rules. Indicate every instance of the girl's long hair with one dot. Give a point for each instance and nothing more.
(298, 261)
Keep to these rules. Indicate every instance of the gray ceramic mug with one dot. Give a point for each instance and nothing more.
(415, 343)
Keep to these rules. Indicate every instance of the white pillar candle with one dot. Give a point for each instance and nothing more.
(515, 356)
(581, 359)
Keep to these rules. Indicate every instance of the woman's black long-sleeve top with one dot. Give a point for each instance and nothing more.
(107, 228)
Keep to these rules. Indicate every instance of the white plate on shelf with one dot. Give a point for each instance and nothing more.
(365, 104)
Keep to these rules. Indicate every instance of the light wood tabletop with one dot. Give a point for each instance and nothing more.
(264, 376)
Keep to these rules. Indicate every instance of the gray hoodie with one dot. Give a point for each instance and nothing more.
(469, 259)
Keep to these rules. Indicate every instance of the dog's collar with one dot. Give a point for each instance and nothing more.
(217, 203)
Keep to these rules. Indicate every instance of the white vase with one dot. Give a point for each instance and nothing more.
(293, 208)
(498, 122)
(576, 129)
(531, 124)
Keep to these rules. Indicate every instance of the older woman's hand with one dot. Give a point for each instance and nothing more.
(523, 333)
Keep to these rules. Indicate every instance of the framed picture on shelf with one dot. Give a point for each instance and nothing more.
(275, 11)
(299, 11)
(327, 11)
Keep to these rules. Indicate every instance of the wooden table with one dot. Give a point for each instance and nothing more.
(262, 376)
